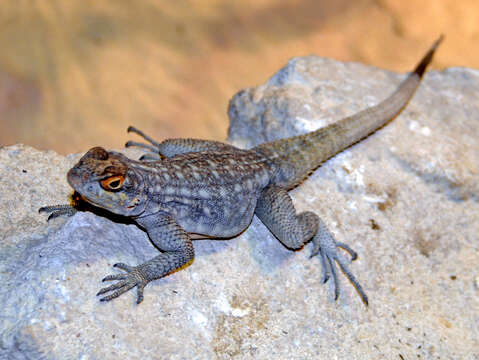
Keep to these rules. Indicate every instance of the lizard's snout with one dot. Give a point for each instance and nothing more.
(74, 177)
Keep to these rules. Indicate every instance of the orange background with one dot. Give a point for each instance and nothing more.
(74, 74)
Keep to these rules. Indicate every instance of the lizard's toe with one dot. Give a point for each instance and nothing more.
(139, 298)
(124, 267)
(150, 156)
(114, 277)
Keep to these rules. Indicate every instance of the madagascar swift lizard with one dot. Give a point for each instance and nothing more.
(185, 189)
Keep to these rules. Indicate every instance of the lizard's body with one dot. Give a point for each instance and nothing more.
(198, 188)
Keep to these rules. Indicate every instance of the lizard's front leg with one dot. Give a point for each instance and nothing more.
(75, 205)
(171, 147)
(177, 249)
(55, 211)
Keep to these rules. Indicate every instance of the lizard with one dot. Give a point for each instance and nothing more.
(186, 189)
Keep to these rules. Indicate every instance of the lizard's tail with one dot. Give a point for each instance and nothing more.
(297, 156)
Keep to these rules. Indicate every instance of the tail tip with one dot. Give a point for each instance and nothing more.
(421, 67)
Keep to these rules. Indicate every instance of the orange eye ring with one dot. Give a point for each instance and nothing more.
(113, 182)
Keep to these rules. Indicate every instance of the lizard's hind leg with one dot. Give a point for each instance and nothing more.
(276, 210)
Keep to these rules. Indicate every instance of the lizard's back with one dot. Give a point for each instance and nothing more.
(209, 192)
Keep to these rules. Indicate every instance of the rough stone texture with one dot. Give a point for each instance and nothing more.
(406, 199)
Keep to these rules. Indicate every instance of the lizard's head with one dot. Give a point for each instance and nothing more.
(104, 179)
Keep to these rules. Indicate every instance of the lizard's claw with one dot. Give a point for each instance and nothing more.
(326, 246)
(129, 279)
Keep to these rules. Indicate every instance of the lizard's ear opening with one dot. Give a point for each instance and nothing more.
(112, 183)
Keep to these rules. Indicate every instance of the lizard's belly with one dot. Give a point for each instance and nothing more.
(214, 217)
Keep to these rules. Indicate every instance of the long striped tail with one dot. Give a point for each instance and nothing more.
(297, 156)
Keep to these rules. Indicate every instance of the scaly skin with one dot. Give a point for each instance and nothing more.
(195, 188)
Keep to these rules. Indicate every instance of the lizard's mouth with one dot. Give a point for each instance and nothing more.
(134, 203)
(90, 201)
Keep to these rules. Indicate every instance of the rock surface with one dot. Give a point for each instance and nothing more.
(406, 199)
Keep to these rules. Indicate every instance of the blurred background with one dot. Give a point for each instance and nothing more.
(74, 74)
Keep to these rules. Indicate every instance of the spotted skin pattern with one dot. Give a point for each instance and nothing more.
(183, 189)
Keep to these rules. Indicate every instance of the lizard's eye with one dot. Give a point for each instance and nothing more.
(113, 182)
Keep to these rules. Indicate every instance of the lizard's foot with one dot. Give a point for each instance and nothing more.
(132, 277)
(58, 210)
(152, 149)
(327, 247)
(76, 204)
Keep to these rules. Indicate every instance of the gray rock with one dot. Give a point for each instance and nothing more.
(406, 199)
